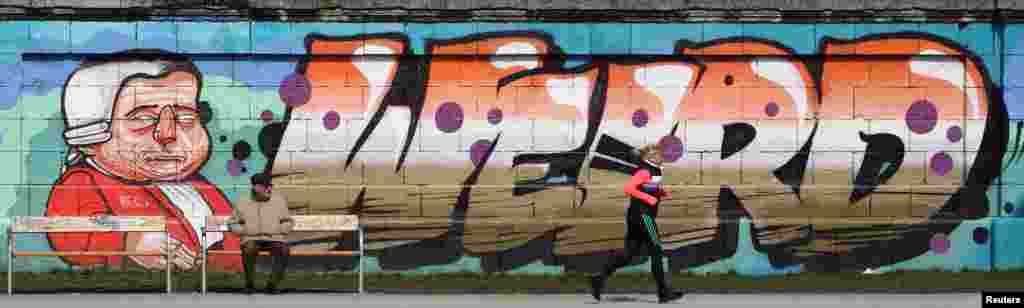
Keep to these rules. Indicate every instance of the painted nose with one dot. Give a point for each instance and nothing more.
(165, 129)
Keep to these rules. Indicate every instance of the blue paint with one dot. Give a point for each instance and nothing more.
(1014, 39)
(1014, 98)
(1009, 253)
(747, 261)
(329, 29)
(276, 38)
(716, 31)
(861, 30)
(41, 77)
(10, 85)
(15, 38)
(979, 38)
(383, 27)
(453, 30)
(48, 37)
(660, 39)
(102, 37)
(945, 30)
(572, 38)
(963, 252)
(206, 37)
(420, 32)
(12, 173)
(158, 35)
(216, 66)
(263, 71)
(609, 39)
(798, 37)
(834, 31)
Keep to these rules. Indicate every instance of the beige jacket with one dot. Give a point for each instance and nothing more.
(268, 221)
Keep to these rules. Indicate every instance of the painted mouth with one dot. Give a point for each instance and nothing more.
(165, 158)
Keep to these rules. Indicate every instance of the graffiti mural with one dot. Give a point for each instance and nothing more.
(136, 143)
(507, 150)
(750, 123)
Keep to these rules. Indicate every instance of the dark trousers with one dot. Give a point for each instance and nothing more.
(278, 250)
(641, 239)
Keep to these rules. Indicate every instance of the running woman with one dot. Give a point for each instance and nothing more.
(645, 192)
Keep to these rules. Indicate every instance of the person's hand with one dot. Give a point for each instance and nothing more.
(181, 256)
(664, 194)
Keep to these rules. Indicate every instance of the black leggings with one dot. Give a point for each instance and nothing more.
(278, 250)
(641, 239)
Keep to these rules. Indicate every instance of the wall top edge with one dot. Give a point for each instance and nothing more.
(416, 15)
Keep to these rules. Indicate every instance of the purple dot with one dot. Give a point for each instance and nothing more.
(295, 90)
(235, 167)
(266, 116)
(922, 117)
(954, 133)
(771, 109)
(671, 148)
(331, 120)
(494, 116)
(478, 151)
(640, 118)
(448, 117)
(980, 235)
(941, 164)
(939, 243)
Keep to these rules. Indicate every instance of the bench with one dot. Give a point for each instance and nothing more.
(303, 223)
(68, 224)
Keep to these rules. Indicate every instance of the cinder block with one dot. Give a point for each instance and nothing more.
(102, 37)
(215, 38)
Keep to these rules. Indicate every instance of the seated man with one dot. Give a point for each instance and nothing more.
(263, 221)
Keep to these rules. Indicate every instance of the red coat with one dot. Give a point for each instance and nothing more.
(84, 191)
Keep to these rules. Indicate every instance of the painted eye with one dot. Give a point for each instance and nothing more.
(146, 120)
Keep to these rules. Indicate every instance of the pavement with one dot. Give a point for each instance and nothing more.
(562, 300)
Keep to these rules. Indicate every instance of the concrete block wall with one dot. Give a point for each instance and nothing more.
(504, 146)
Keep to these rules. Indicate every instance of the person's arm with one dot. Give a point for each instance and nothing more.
(287, 223)
(236, 224)
(632, 188)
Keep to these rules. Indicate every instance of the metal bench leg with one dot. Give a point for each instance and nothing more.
(361, 257)
(167, 259)
(204, 262)
(10, 263)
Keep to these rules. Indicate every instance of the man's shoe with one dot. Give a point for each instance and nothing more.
(596, 285)
(670, 296)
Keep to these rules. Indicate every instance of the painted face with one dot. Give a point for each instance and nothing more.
(156, 131)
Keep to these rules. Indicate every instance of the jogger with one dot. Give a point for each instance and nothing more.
(645, 192)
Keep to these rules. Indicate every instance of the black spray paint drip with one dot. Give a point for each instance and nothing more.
(792, 172)
(882, 159)
(737, 136)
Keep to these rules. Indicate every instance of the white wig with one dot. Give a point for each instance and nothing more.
(89, 97)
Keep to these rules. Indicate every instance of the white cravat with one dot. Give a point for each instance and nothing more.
(193, 207)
